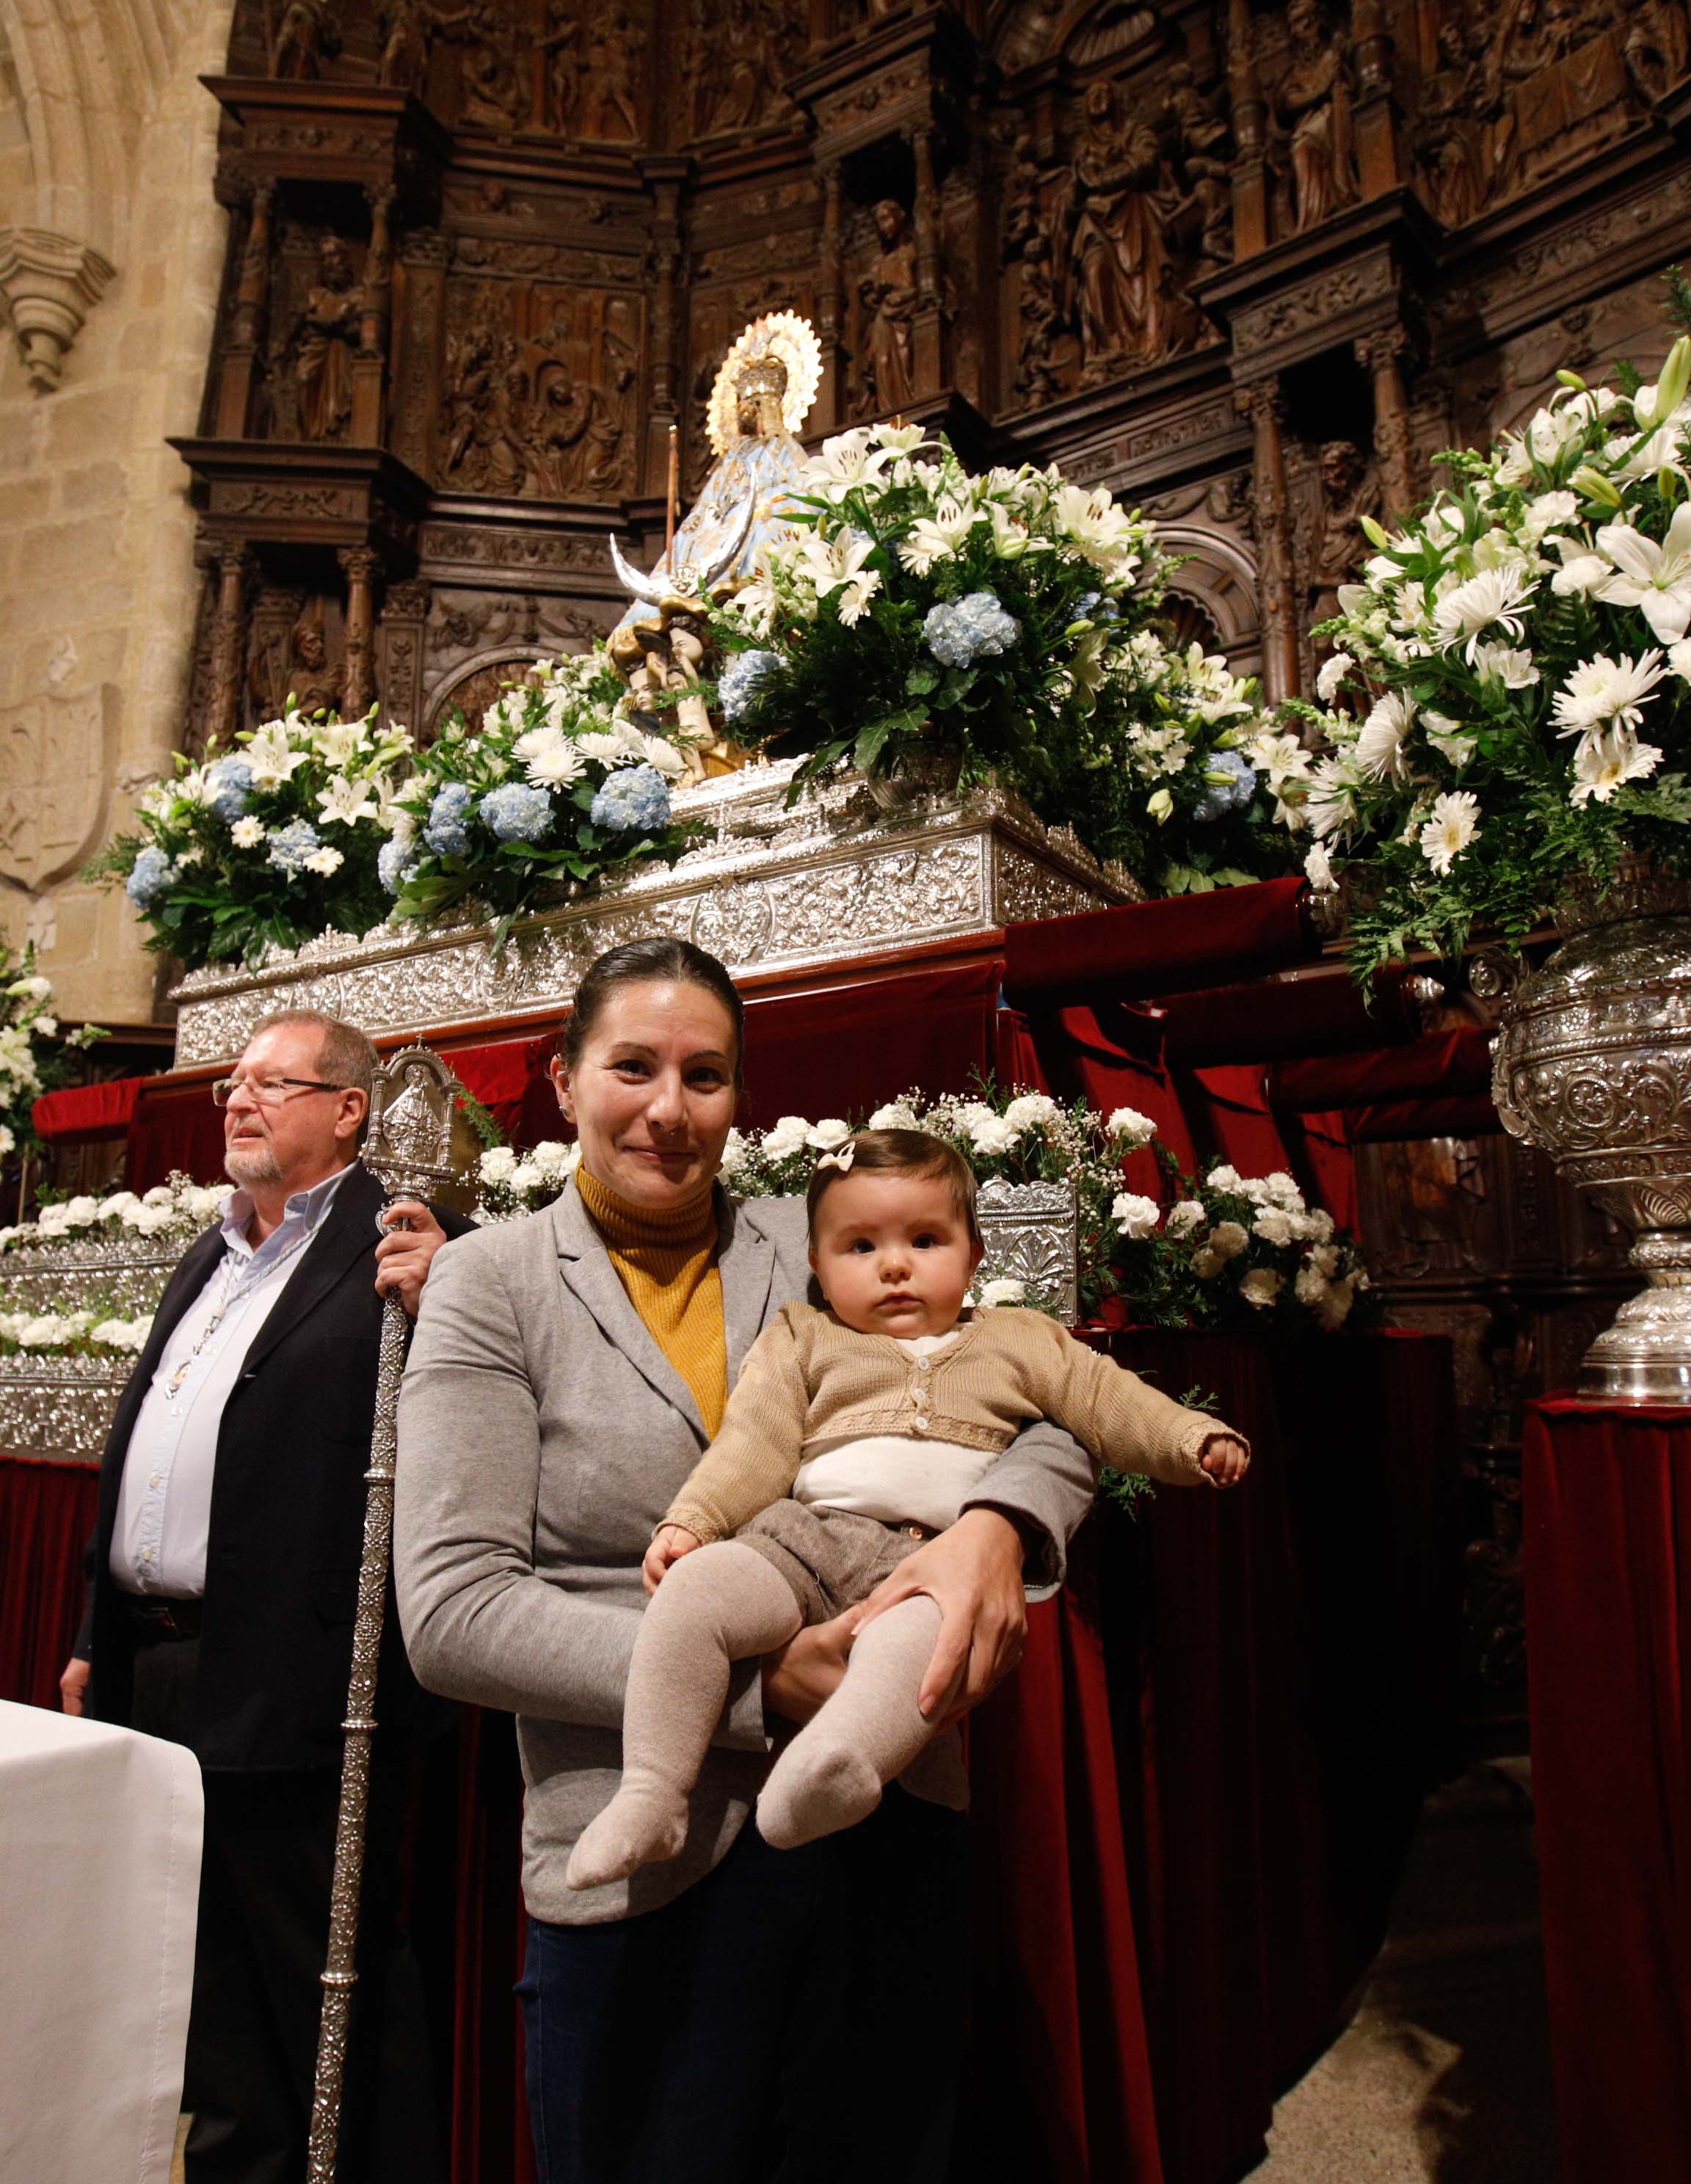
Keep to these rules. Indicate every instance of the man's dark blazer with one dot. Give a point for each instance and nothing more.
(288, 1501)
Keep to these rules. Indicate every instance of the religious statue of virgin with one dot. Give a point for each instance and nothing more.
(763, 394)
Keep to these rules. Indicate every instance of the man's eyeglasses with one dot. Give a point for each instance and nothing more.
(268, 1091)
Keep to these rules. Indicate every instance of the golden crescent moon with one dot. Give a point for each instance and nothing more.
(782, 334)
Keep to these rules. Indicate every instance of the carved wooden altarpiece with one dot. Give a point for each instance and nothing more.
(1251, 264)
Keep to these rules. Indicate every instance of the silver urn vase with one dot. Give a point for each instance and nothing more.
(1592, 1062)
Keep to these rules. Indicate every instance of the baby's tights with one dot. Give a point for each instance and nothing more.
(724, 1604)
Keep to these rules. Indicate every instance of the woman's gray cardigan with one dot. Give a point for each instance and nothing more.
(542, 1434)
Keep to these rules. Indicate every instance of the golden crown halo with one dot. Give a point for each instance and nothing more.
(782, 337)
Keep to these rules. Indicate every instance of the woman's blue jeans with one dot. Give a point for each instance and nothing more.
(797, 2017)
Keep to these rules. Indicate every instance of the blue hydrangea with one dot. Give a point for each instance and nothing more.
(148, 877)
(291, 845)
(1093, 606)
(447, 832)
(960, 632)
(395, 865)
(742, 678)
(229, 787)
(633, 800)
(1232, 782)
(517, 813)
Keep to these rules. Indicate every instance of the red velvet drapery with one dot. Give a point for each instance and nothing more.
(1283, 1665)
(47, 1512)
(88, 1111)
(1177, 944)
(1607, 1511)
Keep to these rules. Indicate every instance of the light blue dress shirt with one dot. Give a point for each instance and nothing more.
(163, 1512)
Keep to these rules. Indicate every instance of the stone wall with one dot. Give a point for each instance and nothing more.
(108, 145)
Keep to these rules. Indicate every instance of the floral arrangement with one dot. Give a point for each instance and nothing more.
(1237, 1250)
(509, 1183)
(84, 1333)
(180, 1207)
(35, 1054)
(267, 844)
(1230, 1250)
(1510, 703)
(913, 611)
(556, 786)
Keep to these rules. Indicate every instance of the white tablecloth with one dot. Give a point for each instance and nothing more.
(99, 1876)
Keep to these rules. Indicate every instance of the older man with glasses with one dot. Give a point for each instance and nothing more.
(223, 1582)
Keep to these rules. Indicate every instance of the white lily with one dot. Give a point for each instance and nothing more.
(936, 538)
(271, 757)
(347, 800)
(1582, 570)
(1653, 576)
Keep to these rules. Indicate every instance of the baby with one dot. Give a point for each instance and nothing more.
(852, 1436)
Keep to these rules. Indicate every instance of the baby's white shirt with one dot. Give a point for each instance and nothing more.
(895, 1477)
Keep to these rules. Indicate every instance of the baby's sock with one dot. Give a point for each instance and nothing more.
(718, 1605)
(832, 1773)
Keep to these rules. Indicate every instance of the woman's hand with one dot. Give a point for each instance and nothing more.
(669, 1543)
(800, 1679)
(1225, 1458)
(403, 1256)
(973, 1571)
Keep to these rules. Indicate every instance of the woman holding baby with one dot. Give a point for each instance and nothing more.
(707, 1998)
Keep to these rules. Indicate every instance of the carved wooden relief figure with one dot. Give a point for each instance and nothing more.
(307, 35)
(325, 338)
(887, 293)
(1312, 106)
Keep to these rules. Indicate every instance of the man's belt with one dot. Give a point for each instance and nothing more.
(165, 1619)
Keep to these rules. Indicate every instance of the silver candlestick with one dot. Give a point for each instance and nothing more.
(419, 1144)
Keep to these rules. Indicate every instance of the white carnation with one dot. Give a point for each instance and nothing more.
(993, 1135)
(1273, 1225)
(1133, 1129)
(828, 1135)
(1183, 1217)
(1003, 1290)
(790, 1135)
(1261, 1286)
(497, 1165)
(1032, 1111)
(1134, 1215)
(1228, 1238)
(896, 1115)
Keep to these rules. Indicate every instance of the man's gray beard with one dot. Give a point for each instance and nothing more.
(248, 1165)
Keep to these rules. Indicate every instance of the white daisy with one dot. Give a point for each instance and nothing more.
(1492, 598)
(325, 862)
(247, 832)
(1602, 694)
(1603, 763)
(1379, 748)
(1453, 825)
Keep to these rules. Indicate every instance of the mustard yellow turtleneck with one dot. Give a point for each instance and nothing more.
(667, 1263)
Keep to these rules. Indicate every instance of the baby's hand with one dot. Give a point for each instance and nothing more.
(1224, 1458)
(670, 1543)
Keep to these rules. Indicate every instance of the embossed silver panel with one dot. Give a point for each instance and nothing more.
(1032, 1236)
(123, 1278)
(58, 1410)
(774, 887)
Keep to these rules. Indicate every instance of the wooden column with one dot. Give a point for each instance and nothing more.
(232, 560)
(1374, 121)
(370, 360)
(1250, 174)
(663, 408)
(1260, 401)
(1379, 355)
(830, 413)
(419, 345)
(362, 564)
(404, 616)
(247, 322)
(928, 357)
